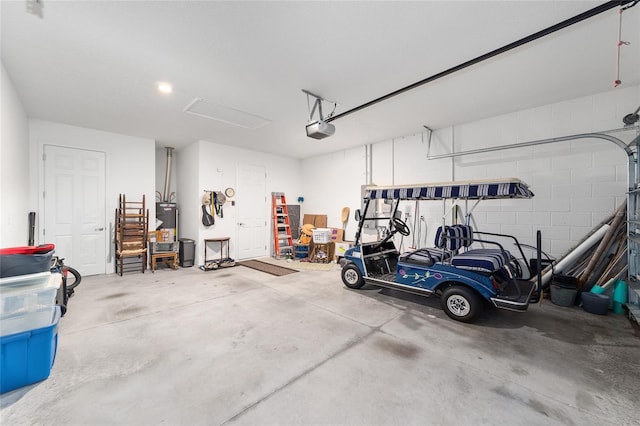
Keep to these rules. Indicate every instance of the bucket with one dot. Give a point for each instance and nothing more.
(595, 303)
(619, 296)
(597, 289)
(563, 296)
(564, 281)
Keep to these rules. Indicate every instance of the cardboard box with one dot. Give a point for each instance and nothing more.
(164, 236)
(317, 220)
(340, 248)
(337, 235)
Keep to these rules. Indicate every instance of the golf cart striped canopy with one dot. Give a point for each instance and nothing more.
(471, 190)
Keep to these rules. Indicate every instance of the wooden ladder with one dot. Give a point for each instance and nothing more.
(282, 239)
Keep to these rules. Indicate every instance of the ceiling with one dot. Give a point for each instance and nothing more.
(97, 64)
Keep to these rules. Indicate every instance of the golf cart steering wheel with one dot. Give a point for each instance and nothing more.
(398, 226)
(401, 227)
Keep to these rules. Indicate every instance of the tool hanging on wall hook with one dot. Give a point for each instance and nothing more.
(617, 82)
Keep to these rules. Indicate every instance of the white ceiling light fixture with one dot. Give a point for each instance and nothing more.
(321, 128)
(165, 87)
(212, 111)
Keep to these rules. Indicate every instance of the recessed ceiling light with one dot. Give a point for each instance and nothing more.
(165, 88)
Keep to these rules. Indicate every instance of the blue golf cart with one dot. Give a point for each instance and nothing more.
(466, 268)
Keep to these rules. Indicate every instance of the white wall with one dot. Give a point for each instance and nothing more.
(576, 184)
(14, 167)
(187, 163)
(130, 167)
(331, 182)
(217, 170)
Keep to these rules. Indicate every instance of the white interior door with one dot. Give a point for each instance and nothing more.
(74, 207)
(252, 207)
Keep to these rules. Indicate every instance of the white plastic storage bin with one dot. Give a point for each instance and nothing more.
(38, 280)
(28, 308)
(321, 235)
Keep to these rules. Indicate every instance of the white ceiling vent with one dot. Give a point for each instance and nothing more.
(224, 114)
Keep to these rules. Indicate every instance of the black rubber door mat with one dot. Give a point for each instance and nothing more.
(276, 270)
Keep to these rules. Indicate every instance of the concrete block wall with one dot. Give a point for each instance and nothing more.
(576, 183)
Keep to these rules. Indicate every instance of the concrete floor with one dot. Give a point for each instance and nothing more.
(238, 346)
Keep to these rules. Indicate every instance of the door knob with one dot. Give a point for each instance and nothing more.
(99, 229)
(241, 223)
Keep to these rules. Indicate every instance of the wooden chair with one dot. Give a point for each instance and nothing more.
(131, 228)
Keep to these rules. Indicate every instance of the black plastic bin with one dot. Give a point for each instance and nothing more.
(27, 260)
(595, 303)
(564, 281)
(187, 252)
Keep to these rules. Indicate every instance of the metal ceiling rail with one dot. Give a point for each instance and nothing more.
(609, 138)
(528, 39)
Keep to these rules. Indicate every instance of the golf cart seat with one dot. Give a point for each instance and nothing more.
(482, 259)
(460, 237)
(428, 256)
(424, 256)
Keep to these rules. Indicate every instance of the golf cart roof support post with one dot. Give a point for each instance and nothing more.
(392, 216)
(363, 215)
(416, 232)
(446, 211)
(469, 212)
(466, 214)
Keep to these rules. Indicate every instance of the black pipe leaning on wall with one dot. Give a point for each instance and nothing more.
(32, 228)
(528, 39)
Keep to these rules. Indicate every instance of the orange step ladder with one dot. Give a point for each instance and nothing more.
(282, 239)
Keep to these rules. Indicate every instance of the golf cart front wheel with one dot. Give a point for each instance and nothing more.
(352, 277)
(460, 303)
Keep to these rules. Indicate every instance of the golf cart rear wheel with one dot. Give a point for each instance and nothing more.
(352, 277)
(460, 303)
